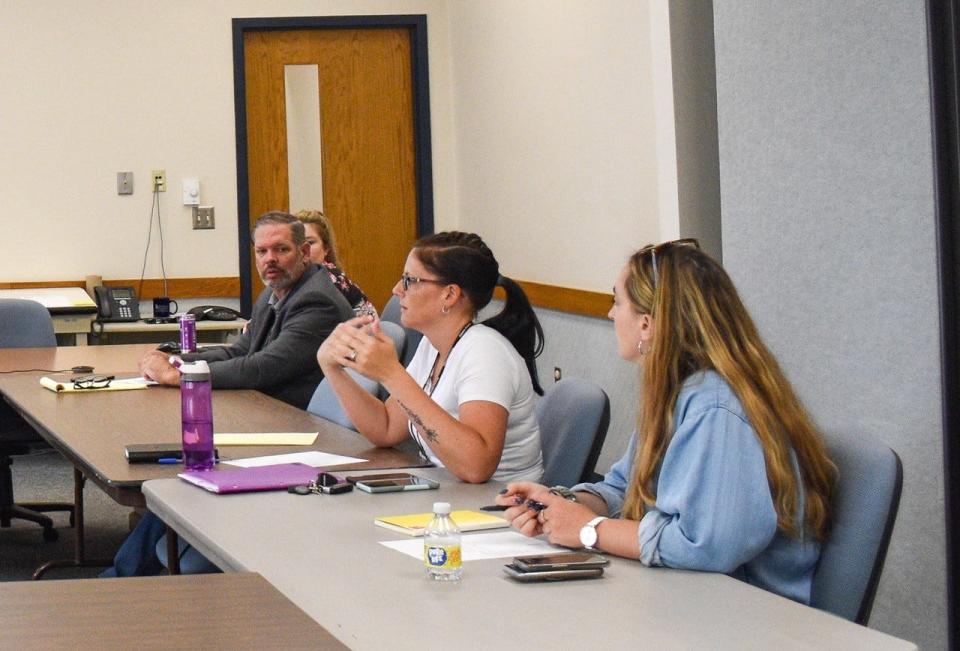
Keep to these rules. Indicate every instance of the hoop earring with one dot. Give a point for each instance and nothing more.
(642, 351)
(444, 309)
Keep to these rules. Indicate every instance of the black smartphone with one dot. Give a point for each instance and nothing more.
(562, 561)
(155, 452)
(518, 574)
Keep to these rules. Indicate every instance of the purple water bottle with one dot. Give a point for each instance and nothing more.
(188, 333)
(196, 406)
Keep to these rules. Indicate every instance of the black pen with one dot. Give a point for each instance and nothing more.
(495, 507)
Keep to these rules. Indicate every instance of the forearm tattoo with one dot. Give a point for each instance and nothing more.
(431, 434)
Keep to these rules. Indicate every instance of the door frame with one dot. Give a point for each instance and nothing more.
(420, 78)
(943, 47)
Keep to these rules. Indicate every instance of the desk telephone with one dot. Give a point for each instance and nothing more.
(116, 304)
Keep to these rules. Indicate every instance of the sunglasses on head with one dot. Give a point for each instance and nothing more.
(653, 248)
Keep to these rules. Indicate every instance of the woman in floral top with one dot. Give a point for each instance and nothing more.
(323, 252)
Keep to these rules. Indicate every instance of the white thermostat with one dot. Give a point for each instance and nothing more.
(191, 192)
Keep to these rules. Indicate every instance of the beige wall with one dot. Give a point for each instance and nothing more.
(543, 119)
(556, 129)
(96, 87)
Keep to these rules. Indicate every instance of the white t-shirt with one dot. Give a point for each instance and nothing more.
(484, 365)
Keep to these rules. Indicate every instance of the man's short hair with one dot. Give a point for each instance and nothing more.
(280, 217)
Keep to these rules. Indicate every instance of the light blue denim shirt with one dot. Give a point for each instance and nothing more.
(714, 511)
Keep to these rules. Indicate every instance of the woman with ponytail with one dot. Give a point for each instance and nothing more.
(726, 472)
(466, 398)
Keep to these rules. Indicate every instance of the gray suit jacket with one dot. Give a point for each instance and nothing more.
(279, 355)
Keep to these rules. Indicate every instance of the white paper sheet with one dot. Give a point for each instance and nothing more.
(480, 546)
(311, 458)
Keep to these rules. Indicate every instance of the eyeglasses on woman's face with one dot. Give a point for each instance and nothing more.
(653, 248)
(406, 280)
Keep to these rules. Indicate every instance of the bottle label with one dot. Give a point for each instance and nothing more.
(444, 557)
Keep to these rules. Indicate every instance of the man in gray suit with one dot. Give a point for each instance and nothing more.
(291, 318)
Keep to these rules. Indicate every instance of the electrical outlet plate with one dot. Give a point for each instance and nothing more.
(203, 217)
(159, 180)
(124, 182)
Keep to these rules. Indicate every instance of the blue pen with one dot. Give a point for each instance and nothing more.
(168, 460)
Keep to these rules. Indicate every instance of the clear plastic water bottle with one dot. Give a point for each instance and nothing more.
(196, 412)
(441, 545)
(188, 333)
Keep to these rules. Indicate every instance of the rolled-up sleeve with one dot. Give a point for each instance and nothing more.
(613, 488)
(714, 511)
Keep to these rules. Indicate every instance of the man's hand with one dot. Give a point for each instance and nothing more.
(157, 367)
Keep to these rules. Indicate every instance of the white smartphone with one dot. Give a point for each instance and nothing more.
(412, 483)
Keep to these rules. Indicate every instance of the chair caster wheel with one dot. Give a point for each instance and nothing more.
(50, 535)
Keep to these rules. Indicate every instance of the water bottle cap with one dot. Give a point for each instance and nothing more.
(441, 508)
(196, 371)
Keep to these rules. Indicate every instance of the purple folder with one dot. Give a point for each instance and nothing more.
(259, 478)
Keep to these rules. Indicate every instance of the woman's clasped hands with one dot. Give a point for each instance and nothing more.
(535, 509)
(360, 345)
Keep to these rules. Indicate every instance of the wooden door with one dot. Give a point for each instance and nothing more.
(367, 132)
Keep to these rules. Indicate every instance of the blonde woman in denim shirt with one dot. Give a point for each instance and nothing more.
(727, 473)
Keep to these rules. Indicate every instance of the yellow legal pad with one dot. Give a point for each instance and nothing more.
(115, 385)
(266, 438)
(414, 525)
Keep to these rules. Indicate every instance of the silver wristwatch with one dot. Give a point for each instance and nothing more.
(563, 492)
(588, 534)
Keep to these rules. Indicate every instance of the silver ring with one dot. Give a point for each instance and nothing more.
(352, 356)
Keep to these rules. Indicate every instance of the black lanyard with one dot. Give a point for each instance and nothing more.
(433, 387)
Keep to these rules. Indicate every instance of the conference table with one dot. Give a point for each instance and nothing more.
(212, 611)
(323, 552)
(91, 428)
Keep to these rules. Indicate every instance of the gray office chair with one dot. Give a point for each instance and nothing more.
(23, 324)
(865, 502)
(399, 335)
(573, 415)
(325, 403)
(396, 332)
(391, 312)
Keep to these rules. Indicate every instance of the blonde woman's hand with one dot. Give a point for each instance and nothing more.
(521, 514)
(562, 519)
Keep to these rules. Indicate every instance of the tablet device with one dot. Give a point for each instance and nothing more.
(381, 485)
(517, 574)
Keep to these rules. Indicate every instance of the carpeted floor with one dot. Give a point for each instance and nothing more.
(45, 476)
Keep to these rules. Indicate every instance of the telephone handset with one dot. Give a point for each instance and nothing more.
(116, 304)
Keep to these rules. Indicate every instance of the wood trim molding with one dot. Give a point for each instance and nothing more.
(564, 299)
(228, 287)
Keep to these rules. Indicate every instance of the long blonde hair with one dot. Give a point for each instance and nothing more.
(701, 323)
(318, 219)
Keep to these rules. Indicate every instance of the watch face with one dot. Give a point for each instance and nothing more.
(588, 536)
